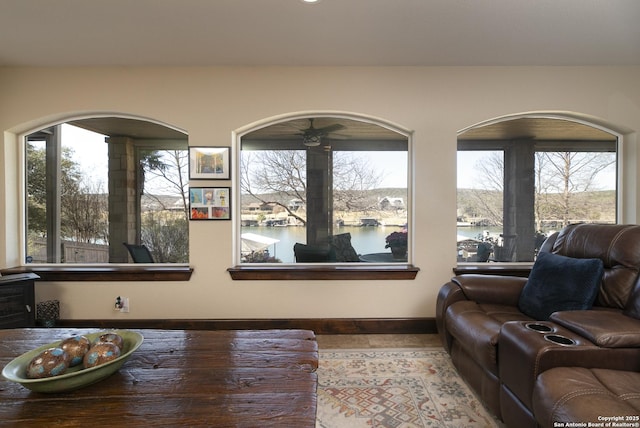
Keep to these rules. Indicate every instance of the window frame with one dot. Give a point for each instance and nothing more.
(617, 140)
(88, 271)
(321, 271)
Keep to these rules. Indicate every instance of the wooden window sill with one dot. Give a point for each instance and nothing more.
(324, 272)
(106, 273)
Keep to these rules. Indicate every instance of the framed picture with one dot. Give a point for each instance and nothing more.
(209, 163)
(210, 203)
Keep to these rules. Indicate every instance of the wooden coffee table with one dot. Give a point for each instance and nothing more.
(178, 378)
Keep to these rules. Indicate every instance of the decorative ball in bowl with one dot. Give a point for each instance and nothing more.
(75, 377)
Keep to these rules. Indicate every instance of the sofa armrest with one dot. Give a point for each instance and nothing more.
(496, 289)
(449, 293)
(605, 328)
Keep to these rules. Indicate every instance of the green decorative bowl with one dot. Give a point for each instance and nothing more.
(75, 377)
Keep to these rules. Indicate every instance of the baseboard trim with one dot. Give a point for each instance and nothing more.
(318, 325)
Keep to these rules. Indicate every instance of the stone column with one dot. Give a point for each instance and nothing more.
(123, 198)
(319, 195)
(519, 200)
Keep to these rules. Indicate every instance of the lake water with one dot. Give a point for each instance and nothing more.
(365, 240)
(477, 231)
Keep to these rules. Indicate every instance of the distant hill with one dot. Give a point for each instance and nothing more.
(374, 195)
(591, 206)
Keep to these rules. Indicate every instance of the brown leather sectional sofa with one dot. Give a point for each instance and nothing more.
(534, 368)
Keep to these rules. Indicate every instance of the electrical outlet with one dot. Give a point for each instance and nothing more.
(121, 304)
(125, 305)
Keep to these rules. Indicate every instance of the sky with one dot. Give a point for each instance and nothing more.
(467, 174)
(90, 149)
(392, 167)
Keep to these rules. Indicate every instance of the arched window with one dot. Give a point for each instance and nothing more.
(94, 184)
(522, 178)
(324, 188)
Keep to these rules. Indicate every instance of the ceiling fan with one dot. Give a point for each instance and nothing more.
(311, 137)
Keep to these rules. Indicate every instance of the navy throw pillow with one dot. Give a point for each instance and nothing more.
(559, 283)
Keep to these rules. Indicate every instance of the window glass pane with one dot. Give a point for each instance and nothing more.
(501, 217)
(36, 200)
(69, 178)
(88, 193)
(575, 187)
(480, 199)
(336, 202)
(164, 225)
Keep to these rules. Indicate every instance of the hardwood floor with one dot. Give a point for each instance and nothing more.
(366, 341)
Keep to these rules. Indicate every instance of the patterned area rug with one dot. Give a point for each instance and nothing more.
(399, 388)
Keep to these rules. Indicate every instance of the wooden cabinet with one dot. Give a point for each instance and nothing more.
(17, 300)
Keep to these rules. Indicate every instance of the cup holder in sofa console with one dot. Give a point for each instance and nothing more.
(560, 340)
(539, 327)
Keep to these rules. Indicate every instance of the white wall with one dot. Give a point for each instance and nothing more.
(211, 103)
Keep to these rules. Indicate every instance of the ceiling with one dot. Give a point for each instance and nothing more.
(349, 129)
(538, 129)
(328, 33)
(132, 128)
(342, 134)
(288, 134)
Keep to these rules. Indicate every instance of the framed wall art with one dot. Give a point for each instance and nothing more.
(210, 203)
(210, 163)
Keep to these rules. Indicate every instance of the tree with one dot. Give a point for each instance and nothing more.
(69, 182)
(166, 171)
(164, 232)
(84, 214)
(352, 176)
(560, 180)
(82, 208)
(570, 173)
(486, 200)
(282, 174)
(166, 235)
